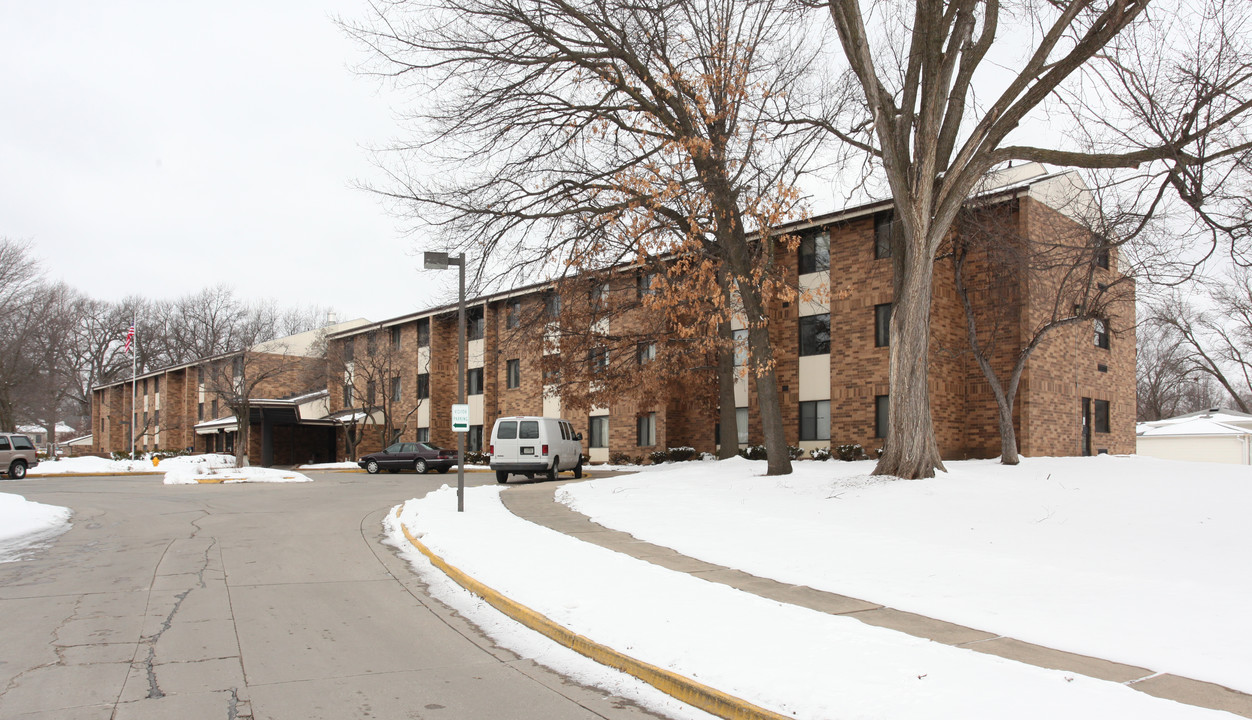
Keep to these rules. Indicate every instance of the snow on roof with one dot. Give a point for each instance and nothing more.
(1192, 426)
(1216, 414)
(61, 428)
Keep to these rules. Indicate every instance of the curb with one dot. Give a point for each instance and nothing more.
(677, 686)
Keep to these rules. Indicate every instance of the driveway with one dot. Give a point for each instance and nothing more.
(250, 601)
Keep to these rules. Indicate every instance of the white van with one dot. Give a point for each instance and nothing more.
(527, 445)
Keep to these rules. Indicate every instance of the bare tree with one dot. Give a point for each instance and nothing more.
(1214, 333)
(579, 134)
(1167, 384)
(375, 373)
(1167, 92)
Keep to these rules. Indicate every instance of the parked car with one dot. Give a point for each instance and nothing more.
(17, 455)
(526, 445)
(418, 456)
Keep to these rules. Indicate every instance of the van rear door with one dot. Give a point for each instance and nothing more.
(529, 446)
(505, 441)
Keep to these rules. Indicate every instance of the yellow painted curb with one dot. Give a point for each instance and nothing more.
(210, 481)
(683, 688)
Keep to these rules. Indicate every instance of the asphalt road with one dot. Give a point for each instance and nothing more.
(250, 601)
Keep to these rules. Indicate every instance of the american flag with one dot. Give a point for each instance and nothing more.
(130, 337)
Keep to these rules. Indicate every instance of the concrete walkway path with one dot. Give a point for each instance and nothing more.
(536, 503)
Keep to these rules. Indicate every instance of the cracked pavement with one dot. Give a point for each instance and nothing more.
(249, 601)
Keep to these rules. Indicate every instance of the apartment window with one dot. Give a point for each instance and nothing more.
(815, 420)
(882, 325)
(395, 389)
(236, 366)
(200, 375)
(1101, 420)
(423, 332)
(474, 439)
(474, 382)
(882, 406)
(883, 223)
(815, 334)
(475, 324)
(395, 338)
(371, 342)
(513, 314)
(145, 387)
(347, 395)
(552, 304)
(741, 348)
(645, 430)
(199, 412)
(599, 358)
(156, 418)
(815, 252)
(552, 377)
(1101, 333)
(156, 385)
(213, 407)
(645, 352)
(513, 373)
(349, 350)
(370, 389)
(598, 295)
(599, 432)
(741, 424)
(423, 434)
(645, 284)
(423, 386)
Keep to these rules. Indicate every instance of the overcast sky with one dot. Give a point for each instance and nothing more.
(157, 148)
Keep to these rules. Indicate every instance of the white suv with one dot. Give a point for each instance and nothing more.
(17, 455)
(530, 445)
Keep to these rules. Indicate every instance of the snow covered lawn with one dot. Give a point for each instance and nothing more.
(1133, 559)
(213, 469)
(94, 465)
(785, 658)
(24, 524)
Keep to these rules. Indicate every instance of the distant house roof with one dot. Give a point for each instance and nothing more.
(1241, 422)
(1193, 426)
(61, 428)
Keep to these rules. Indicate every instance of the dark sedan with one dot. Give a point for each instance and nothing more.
(418, 456)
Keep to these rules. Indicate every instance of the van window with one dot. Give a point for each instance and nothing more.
(529, 430)
(564, 431)
(507, 430)
(21, 442)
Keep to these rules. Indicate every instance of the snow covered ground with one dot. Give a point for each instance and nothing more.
(1132, 559)
(25, 524)
(182, 470)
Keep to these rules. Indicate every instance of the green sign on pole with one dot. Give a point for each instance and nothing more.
(460, 418)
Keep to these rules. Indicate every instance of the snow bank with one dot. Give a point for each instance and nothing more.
(1132, 559)
(24, 524)
(792, 660)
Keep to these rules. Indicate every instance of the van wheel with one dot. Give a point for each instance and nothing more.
(556, 463)
(578, 469)
(502, 476)
(17, 470)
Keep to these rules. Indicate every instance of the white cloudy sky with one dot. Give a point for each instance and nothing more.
(161, 147)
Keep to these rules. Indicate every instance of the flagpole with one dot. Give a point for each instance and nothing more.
(133, 411)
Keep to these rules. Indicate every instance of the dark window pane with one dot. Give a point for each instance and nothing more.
(882, 325)
(474, 382)
(881, 410)
(883, 223)
(815, 334)
(815, 420)
(815, 252)
(507, 430)
(528, 430)
(1101, 333)
(423, 333)
(423, 386)
(1101, 416)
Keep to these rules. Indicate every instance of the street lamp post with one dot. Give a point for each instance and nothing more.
(441, 261)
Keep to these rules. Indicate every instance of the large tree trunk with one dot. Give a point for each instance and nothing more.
(911, 451)
(727, 417)
(242, 437)
(768, 401)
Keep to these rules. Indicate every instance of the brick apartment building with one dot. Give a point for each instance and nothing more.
(179, 407)
(396, 379)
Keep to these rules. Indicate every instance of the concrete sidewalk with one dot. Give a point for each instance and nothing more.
(535, 502)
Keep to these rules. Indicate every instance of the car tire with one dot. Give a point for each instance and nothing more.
(17, 470)
(444, 470)
(578, 469)
(502, 476)
(420, 466)
(556, 463)
(371, 467)
(393, 470)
